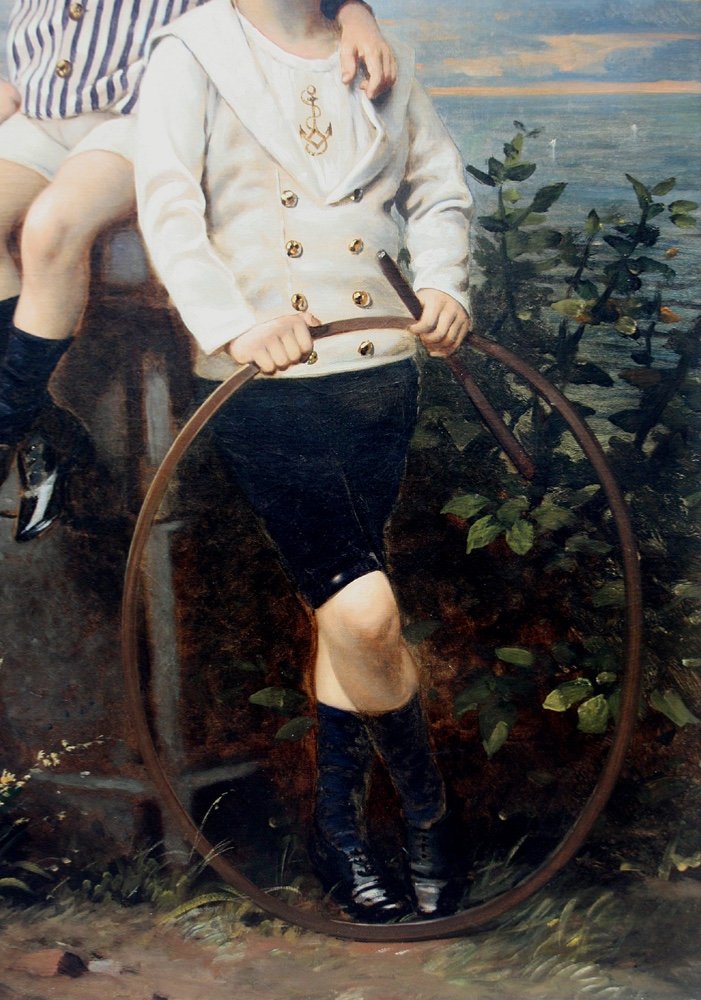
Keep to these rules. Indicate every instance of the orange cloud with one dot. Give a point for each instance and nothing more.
(563, 54)
(561, 87)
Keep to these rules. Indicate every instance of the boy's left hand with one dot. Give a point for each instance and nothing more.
(443, 324)
(362, 42)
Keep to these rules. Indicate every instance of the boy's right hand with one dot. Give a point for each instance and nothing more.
(9, 100)
(276, 344)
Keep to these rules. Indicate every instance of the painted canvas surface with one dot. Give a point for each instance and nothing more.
(547, 579)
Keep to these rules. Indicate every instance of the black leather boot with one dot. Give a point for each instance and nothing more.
(339, 849)
(24, 375)
(401, 738)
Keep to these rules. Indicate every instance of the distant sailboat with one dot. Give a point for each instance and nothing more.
(553, 144)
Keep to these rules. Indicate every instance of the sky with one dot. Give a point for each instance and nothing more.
(551, 46)
(545, 46)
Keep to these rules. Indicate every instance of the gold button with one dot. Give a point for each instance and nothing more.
(356, 246)
(357, 195)
(366, 349)
(64, 68)
(289, 199)
(313, 358)
(299, 302)
(362, 299)
(76, 11)
(293, 248)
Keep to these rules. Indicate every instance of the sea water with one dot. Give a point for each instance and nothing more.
(591, 142)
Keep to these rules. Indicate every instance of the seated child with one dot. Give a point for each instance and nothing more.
(265, 189)
(66, 134)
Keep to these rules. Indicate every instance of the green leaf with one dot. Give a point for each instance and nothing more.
(284, 700)
(425, 438)
(496, 168)
(593, 715)
(514, 147)
(583, 543)
(628, 420)
(295, 729)
(587, 290)
(692, 500)
(480, 176)
(417, 632)
(670, 703)
(621, 245)
(587, 373)
(493, 225)
(546, 197)
(664, 187)
(534, 219)
(550, 517)
(593, 224)
(14, 883)
(626, 325)
(510, 511)
(614, 704)
(483, 532)
(519, 172)
(517, 655)
(687, 590)
(644, 265)
(520, 536)
(606, 677)
(476, 694)
(610, 595)
(569, 307)
(495, 725)
(568, 694)
(466, 505)
(583, 496)
(33, 869)
(564, 653)
(462, 432)
(683, 207)
(511, 195)
(684, 221)
(642, 193)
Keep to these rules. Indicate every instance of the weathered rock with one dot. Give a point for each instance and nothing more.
(51, 962)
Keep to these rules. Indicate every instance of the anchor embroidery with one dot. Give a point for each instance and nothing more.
(316, 141)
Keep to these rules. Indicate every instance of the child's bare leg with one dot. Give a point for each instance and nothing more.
(366, 677)
(362, 664)
(19, 186)
(90, 191)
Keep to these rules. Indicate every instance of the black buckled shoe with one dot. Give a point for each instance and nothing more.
(42, 482)
(46, 457)
(434, 867)
(353, 878)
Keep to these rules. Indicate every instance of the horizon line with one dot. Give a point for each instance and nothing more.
(567, 87)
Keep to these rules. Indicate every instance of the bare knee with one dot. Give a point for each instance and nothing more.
(364, 614)
(54, 236)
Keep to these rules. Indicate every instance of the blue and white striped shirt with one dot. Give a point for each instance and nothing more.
(67, 57)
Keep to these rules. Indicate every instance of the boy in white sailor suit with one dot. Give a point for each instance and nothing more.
(66, 137)
(265, 190)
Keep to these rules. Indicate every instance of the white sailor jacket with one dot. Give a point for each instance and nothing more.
(236, 226)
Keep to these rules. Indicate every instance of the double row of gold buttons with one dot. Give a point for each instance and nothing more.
(293, 248)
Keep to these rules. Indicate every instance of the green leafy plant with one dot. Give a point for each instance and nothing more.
(547, 291)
